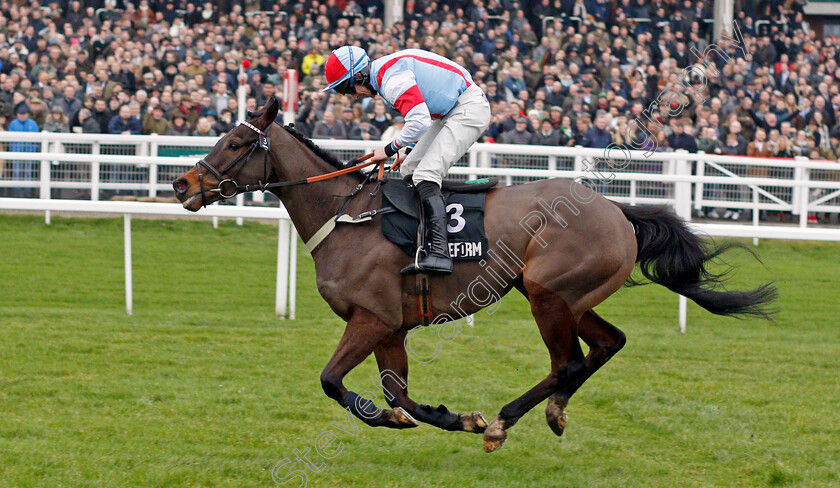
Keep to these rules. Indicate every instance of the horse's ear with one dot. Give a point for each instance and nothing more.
(269, 113)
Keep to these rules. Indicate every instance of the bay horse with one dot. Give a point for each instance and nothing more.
(561, 245)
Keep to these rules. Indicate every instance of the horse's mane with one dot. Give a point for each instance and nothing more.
(318, 150)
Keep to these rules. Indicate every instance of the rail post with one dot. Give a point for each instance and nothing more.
(682, 205)
(804, 195)
(129, 292)
(94, 173)
(151, 150)
(282, 292)
(44, 191)
(698, 187)
(293, 242)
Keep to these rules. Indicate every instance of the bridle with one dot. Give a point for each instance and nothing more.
(228, 188)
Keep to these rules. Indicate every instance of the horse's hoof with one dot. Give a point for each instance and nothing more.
(494, 436)
(491, 444)
(555, 415)
(403, 419)
(556, 421)
(474, 422)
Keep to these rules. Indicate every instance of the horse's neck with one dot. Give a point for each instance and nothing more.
(309, 206)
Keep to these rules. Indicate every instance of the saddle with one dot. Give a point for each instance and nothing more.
(464, 206)
(401, 194)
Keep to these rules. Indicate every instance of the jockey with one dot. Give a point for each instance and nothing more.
(444, 111)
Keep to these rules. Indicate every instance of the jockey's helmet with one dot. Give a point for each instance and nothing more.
(346, 67)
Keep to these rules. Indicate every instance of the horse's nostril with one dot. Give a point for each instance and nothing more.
(180, 185)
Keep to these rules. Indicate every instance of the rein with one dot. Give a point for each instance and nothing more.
(228, 188)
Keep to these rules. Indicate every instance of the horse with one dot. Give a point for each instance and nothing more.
(556, 241)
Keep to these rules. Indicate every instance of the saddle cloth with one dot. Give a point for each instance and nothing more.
(464, 207)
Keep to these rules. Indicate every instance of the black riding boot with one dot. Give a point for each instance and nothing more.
(436, 260)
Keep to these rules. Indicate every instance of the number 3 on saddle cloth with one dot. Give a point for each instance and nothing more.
(464, 209)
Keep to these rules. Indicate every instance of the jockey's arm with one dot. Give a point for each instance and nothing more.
(400, 89)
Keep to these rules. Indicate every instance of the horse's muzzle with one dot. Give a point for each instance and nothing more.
(181, 185)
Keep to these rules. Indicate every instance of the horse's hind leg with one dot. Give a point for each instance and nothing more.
(604, 341)
(558, 329)
(393, 369)
(364, 331)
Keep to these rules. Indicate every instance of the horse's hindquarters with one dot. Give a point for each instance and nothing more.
(563, 237)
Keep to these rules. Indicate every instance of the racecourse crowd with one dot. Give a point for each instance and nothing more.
(557, 72)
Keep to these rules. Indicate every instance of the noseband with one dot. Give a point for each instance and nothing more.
(227, 186)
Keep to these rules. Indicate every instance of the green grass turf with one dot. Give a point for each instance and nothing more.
(203, 386)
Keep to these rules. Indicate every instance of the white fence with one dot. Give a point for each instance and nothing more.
(93, 166)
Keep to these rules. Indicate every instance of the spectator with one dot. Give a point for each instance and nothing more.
(380, 120)
(519, 134)
(205, 107)
(534, 120)
(219, 98)
(225, 123)
(769, 122)
(819, 131)
(124, 123)
(314, 76)
(154, 121)
(87, 123)
(75, 15)
(597, 136)
(492, 92)
(547, 136)
(148, 83)
(390, 134)
(514, 84)
(802, 145)
(734, 146)
(188, 109)
(313, 57)
(832, 150)
(57, 121)
(347, 119)
(266, 93)
(329, 128)
(23, 170)
(114, 105)
(555, 116)
(39, 113)
(786, 130)
(203, 128)
(101, 113)
(682, 138)
(178, 126)
(582, 126)
(69, 103)
(759, 148)
(365, 131)
(782, 149)
(143, 16)
(567, 135)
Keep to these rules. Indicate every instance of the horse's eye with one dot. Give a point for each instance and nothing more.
(233, 146)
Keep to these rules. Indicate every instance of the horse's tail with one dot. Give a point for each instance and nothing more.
(671, 255)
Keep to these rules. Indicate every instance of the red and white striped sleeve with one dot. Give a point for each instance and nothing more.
(400, 90)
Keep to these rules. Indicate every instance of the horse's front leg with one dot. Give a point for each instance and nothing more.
(364, 331)
(393, 369)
